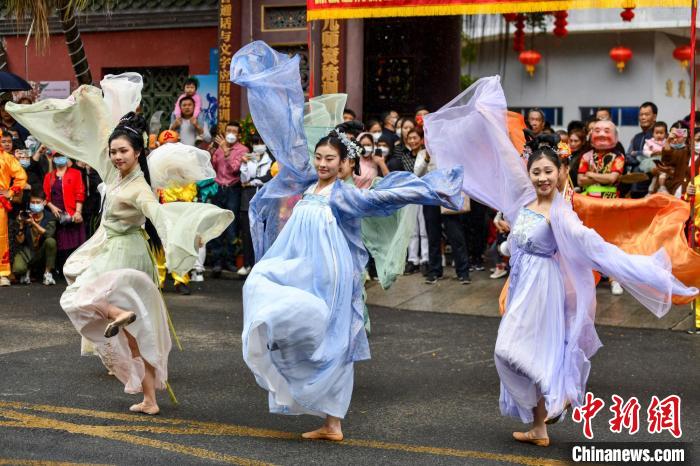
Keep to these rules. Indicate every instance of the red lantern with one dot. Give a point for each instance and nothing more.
(530, 58)
(510, 17)
(560, 23)
(620, 55)
(683, 54)
(627, 14)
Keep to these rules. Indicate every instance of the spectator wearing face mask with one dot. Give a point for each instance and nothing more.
(65, 194)
(388, 120)
(227, 161)
(375, 129)
(36, 242)
(255, 171)
(372, 163)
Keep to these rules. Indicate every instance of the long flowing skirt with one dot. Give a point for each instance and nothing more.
(531, 341)
(297, 315)
(119, 270)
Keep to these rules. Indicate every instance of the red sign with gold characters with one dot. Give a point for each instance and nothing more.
(343, 9)
(225, 55)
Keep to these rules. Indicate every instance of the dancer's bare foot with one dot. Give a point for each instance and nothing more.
(113, 328)
(324, 433)
(532, 436)
(145, 408)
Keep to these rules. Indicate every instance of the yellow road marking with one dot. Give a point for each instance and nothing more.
(106, 432)
(174, 426)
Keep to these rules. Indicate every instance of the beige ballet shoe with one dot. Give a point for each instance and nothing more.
(526, 437)
(113, 327)
(142, 408)
(319, 434)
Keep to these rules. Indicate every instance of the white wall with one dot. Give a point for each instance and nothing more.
(577, 71)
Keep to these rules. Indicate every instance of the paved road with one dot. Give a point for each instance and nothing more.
(428, 396)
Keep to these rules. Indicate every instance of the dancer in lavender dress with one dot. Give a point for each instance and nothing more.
(547, 336)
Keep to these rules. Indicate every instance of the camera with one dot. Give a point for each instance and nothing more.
(23, 215)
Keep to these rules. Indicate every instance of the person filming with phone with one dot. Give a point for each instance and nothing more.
(36, 241)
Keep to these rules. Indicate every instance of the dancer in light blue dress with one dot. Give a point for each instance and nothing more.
(547, 336)
(302, 302)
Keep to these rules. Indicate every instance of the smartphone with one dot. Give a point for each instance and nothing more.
(377, 151)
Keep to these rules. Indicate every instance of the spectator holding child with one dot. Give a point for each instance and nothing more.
(190, 90)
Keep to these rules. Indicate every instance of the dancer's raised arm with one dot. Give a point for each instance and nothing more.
(472, 131)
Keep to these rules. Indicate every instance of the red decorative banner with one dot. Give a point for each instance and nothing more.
(343, 9)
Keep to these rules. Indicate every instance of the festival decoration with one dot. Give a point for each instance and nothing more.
(620, 55)
(519, 34)
(530, 58)
(627, 15)
(560, 23)
(683, 53)
(336, 9)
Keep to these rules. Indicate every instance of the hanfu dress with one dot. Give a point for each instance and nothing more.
(303, 323)
(547, 336)
(115, 266)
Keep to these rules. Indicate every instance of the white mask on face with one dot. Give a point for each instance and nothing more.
(385, 150)
(697, 147)
(231, 138)
(259, 148)
(376, 136)
(368, 150)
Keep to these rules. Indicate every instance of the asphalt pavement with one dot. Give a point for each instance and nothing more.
(429, 395)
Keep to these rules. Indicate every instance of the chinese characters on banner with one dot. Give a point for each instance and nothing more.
(225, 55)
(662, 415)
(330, 56)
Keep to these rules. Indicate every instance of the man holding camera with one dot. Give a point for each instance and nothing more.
(12, 181)
(36, 241)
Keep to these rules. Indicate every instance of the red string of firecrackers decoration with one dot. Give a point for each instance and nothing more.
(519, 34)
(627, 14)
(560, 23)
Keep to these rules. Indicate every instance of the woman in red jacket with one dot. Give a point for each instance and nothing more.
(65, 194)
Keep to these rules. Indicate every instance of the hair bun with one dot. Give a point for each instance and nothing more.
(541, 141)
(134, 121)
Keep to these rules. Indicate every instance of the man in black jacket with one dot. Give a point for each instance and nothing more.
(647, 117)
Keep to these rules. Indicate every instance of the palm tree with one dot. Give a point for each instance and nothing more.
(39, 12)
(3, 55)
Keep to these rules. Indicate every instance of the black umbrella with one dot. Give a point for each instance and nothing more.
(12, 82)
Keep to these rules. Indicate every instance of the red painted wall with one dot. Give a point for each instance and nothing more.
(141, 48)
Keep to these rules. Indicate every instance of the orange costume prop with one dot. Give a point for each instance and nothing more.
(12, 180)
(641, 226)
